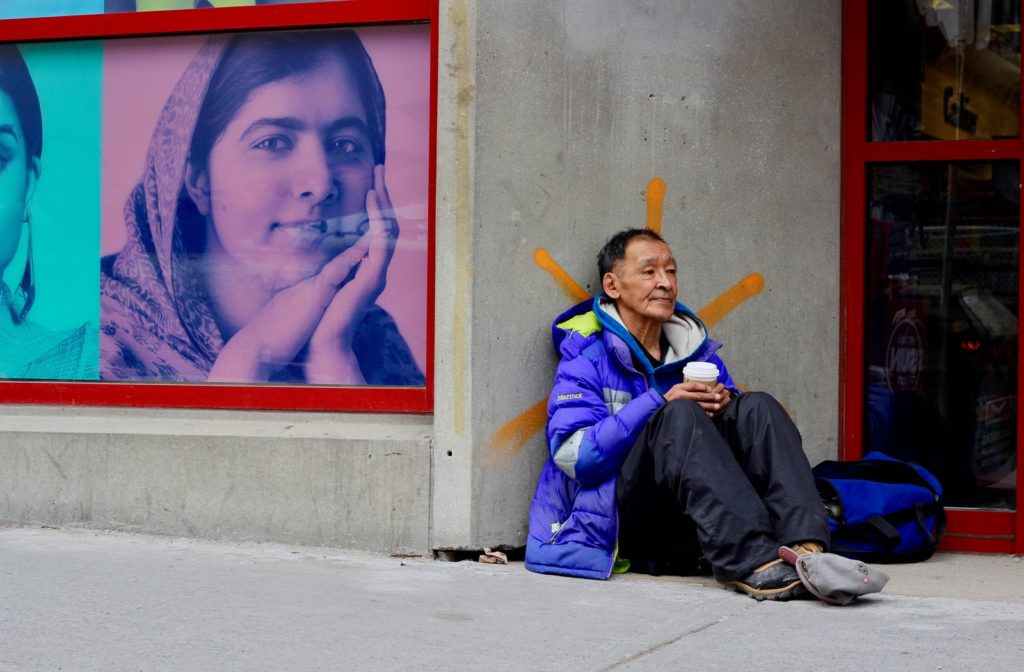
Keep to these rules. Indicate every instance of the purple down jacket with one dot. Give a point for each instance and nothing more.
(596, 410)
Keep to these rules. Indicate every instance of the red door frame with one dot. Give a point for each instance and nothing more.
(968, 530)
(184, 21)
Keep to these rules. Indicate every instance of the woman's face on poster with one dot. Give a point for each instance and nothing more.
(284, 190)
(17, 179)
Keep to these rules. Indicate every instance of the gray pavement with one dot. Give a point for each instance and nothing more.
(74, 599)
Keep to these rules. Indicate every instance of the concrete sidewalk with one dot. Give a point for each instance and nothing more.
(75, 599)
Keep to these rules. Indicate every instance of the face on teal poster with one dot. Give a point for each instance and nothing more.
(50, 121)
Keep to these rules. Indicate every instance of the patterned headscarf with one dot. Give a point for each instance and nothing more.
(154, 319)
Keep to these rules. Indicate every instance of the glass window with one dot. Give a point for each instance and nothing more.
(945, 70)
(214, 224)
(941, 320)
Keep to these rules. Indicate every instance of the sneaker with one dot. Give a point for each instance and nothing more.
(778, 581)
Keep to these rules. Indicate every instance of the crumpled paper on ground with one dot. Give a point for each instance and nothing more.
(494, 557)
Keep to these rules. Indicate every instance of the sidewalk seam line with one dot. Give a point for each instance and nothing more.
(662, 645)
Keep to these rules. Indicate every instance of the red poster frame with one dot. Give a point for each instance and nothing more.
(986, 531)
(234, 19)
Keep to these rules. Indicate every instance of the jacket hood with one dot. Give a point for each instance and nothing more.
(686, 333)
(589, 320)
(579, 319)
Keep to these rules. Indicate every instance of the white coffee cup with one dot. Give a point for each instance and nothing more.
(700, 372)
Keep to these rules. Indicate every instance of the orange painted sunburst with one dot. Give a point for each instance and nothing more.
(513, 436)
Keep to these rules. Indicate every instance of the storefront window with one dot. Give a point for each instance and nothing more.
(262, 215)
(941, 318)
(182, 195)
(945, 70)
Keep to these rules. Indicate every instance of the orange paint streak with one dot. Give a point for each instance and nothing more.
(727, 301)
(512, 437)
(569, 286)
(655, 204)
(508, 441)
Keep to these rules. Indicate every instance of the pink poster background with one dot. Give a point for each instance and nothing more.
(140, 73)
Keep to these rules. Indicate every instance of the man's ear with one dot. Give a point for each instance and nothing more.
(197, 184)
(610, 285)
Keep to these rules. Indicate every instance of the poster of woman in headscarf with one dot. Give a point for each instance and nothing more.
(264, 208)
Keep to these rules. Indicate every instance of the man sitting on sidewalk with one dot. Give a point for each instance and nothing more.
(640, 460)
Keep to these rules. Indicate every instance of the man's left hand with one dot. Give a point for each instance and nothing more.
(716, 409)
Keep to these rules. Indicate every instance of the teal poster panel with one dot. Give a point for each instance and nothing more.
(26, 9)
(62, 321)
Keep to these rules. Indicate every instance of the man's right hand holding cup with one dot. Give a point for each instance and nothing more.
(700, 384)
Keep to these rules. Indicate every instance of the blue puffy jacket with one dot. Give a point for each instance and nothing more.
(598, 405)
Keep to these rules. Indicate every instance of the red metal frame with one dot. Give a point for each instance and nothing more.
(181, 21)
(854, 120)
(981, 531)
(229, 19)
(969, 530)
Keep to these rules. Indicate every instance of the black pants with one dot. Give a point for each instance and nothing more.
(740, 484)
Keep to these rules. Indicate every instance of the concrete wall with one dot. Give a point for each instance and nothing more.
(554, 116)
(578, 104)
(320, 479)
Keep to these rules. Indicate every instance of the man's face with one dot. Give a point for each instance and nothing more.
(643, 283)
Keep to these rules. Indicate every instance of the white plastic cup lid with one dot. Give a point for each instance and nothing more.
(700, 371)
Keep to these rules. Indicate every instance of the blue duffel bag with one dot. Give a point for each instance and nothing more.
(881, 509)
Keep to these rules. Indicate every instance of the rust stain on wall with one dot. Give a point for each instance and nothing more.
(460, 68)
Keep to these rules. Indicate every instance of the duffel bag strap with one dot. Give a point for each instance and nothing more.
(936, 510)
(891, 534)
(919, 510)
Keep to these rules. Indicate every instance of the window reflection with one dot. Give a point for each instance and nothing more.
(944, 69)
(941, 319)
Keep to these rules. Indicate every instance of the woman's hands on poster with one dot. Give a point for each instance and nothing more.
(331, 359)
(322, 312)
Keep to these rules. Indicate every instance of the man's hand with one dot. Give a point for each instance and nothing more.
(712, 398)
